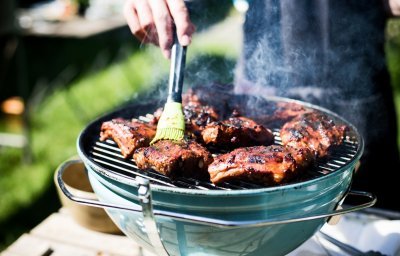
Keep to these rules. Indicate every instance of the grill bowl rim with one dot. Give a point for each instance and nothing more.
(189, 191)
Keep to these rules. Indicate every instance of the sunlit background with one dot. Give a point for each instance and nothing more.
(65, 62)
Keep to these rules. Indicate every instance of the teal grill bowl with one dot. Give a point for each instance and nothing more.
(274, 206)
(186, 238)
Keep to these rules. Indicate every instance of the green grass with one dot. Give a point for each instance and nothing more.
(392, 49)
(56, 123)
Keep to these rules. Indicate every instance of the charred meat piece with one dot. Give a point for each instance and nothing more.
(129, 135)
(173, 159)
(303, 157)
(236, 132)
(287, 111)
(314, 131)
(197, 117)
(197, 114)
(266, 165)
(282, 112)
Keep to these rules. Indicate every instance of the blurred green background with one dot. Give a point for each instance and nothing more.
(105, 74)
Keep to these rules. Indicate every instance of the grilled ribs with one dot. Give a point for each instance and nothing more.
(266, 165)
(197, 115)
(314, 131)
(279, 113)
(129, 135)
(236, 132)
(173, 159)
(306, 135)
(286, 111)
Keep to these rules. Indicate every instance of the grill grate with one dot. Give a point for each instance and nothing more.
(107, 154)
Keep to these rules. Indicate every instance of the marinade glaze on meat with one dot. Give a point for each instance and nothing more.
(128, 134)
(314, 131)
(236, 132)
(269, 165)
(172, 158)
(306, 135)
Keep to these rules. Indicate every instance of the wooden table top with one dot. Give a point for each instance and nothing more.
(60, 235)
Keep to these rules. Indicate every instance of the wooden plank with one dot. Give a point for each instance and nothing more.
(6, 253)
(60, 228)
(30, 245)
(60, 235)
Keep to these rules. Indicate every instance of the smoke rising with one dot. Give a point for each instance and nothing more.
(326, 52)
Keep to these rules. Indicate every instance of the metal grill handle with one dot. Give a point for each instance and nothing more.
(218, 222)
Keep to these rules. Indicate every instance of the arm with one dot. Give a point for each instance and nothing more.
(151, 21)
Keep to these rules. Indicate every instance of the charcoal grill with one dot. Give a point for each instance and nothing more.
(152, 208)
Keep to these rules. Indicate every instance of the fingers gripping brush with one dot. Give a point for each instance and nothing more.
(171, 125)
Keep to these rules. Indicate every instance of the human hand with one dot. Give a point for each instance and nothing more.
(151, 21)
(394, 7)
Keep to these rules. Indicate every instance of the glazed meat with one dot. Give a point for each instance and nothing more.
(286, 111)
(173, 159)
(197, 117)
(303, 157)
(280, 113)
(236, 132)
(197, 114)
(314, 131)
(266, 165)
(129, 135)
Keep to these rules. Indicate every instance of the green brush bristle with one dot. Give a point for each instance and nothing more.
(171, 125)
(168, 134)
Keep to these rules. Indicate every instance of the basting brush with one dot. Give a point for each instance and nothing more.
(171, 125)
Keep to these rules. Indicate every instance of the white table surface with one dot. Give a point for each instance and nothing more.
(364, 232)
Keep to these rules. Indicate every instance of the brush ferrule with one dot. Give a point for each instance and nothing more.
(177, 98)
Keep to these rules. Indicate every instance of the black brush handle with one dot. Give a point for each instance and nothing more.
(176, 74)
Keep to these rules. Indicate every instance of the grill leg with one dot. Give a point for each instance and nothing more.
(148, 216)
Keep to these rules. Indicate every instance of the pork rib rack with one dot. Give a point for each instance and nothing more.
(172, 158)
(197, 114)
(313, 130)
(266, 165)
(236, 132)
(129, 135)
